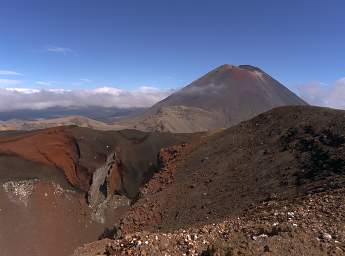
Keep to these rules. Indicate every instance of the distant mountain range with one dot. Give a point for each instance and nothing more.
(222, 98)
(103, 114)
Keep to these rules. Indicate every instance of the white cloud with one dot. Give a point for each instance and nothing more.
(9, 73)
(22, 90)
(107, 90)
(320, 94)
(25, 98)
(45, 83)
(85, 80)
(9, 82)
(58, 49)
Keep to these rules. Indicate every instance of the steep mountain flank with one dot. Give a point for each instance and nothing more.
(50, 147)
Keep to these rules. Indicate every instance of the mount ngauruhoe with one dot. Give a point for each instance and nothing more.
(222, 98)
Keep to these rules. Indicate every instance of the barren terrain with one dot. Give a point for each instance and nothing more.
(67, 185)
(270, 185)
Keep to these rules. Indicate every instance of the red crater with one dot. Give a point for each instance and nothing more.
(52, 147)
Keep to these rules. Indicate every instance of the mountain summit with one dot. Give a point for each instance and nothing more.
(221, 98)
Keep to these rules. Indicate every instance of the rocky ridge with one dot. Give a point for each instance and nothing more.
(311, 225)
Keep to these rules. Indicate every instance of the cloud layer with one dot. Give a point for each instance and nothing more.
(321, 94)
(59, 49)
(12, 98)
(9, 73)
(9, 82)
(25, 98)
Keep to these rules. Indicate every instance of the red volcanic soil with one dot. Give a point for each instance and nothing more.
(48, 220)
(240, 74)
(50, 147)
(45, 177)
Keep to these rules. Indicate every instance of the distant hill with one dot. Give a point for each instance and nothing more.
(62, 121)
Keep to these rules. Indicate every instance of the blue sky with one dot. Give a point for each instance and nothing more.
(83, 44)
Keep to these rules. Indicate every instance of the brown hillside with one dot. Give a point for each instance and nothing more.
(284, 153)
(273, 185)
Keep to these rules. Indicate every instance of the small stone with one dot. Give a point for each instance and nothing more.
(326, 236)
(263, 236)
(339, 249)
(291, 214)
